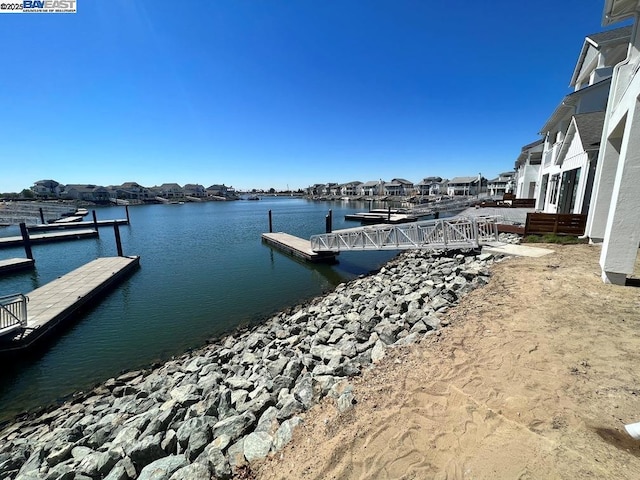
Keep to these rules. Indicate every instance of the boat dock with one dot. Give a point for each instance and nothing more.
(297, 247)
(13, 264)
(77, 224)
(53, 304)
(373, 217)
(6, 242)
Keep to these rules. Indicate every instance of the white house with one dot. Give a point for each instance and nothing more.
(503, 183)
(47, 188)
(563, 184)
(371, 188)
(614, 213)
(466, 185)
(350, 189)
(528, 169)
(429, 186)
(398, 187)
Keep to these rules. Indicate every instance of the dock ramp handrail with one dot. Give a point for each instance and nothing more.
(13, 312)
(445, 234)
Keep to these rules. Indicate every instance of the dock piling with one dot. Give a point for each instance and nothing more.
(41, 215)
(270, 223)
(328, 222)
(26, 241)
(116, 231)
(126, 209)
(95, 222)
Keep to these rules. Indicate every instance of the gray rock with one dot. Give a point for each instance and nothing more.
(98, 464)
(257, 445)
(303, 391)
(163, 468)
(378, 351)
(60, 454)
(235, 454)
(234, 426)
(197, 443)
(284, 434)
(186, 395)
(345, 402)
(147, 450)
(192, 425)
(123, 470)
(169, 443)
(216, 461)
(192, 472)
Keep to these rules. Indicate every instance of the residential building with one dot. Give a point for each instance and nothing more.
(371, 188)
(47, 189)
(528, 169)
(563, 184)
(466, 185)
(350, 189)
(86, 192)
(503, 183)
(614, 213)
(429, 186)
(398, 187)
(131, 191)
(194, 190)
(170, 190)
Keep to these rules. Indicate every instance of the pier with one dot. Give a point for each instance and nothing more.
(16, 241)
(77, 224)
(297, 247)
(57, 302)
(13, 264)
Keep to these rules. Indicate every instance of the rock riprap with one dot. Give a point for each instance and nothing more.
(240, 399)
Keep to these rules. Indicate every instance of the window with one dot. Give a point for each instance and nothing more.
(554, 188)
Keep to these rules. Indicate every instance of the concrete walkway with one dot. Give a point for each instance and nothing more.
(518, 250)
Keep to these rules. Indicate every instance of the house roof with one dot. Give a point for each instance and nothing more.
(598, 40)
(171, 185)
(372, 183)
(402, 181)
(590, 126)
(618, 10)
(463, 180)
(569, 103)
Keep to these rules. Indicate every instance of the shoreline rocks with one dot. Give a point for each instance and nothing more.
(239, 399)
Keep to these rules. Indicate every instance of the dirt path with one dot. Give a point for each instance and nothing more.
(534, 379)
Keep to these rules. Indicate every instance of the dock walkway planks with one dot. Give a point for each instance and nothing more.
(12, 264)
(296, 246)
(55, 302)
(6, 242)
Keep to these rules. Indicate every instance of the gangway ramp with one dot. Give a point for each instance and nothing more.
(445, 234)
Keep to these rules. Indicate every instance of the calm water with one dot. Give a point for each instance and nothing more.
(204, 270)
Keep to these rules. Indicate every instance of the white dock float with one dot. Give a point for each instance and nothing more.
(297, 247)
(11, 264)
(51, 305)
(15, 241)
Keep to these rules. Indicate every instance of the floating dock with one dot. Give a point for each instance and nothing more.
(297, 247)
(13, 264)
(84, 224)
(55, 303)
(372, 217)
(6, 242)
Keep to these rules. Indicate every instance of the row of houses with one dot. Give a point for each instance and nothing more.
(587, 160)
(51, 189)
(429, 186)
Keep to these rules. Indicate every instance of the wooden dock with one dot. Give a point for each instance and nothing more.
(13, 264)
(297, 247)
(53, 304)
(6, 242)
(83, 224)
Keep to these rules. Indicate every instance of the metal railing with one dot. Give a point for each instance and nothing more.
(445, 234)
(13, 311)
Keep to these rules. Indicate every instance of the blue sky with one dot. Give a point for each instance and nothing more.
(271, 93)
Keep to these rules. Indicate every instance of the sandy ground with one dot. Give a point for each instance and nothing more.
(534, 378)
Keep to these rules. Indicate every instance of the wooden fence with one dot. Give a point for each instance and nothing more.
(558, 223)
